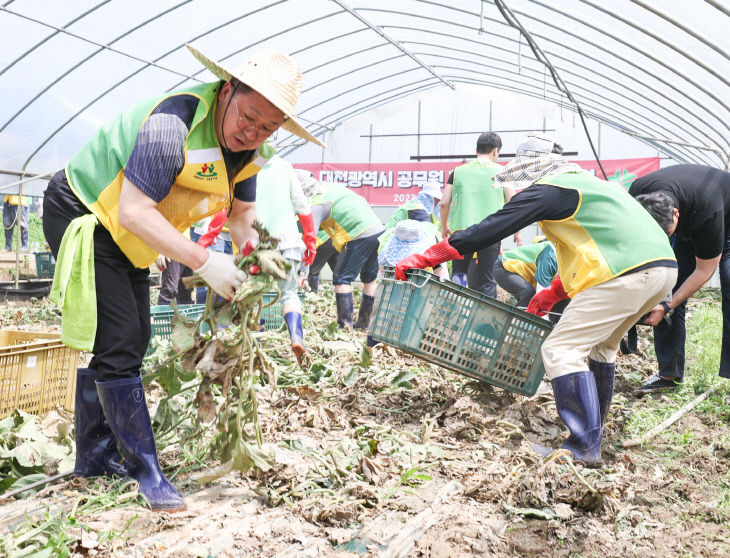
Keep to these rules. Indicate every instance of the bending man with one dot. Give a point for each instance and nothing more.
(692, 204)
(354, 229)
(128, 195)
(591, 222)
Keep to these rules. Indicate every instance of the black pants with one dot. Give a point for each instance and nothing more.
(326, 254)
(172, 287)
(10, 214)
(358, 257)
(514, 284)
(479, 272)
(122, 290)
(669, 341)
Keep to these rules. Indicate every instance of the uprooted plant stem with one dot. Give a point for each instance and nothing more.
(230, 361)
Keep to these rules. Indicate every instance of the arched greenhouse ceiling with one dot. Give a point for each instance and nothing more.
(658, 70)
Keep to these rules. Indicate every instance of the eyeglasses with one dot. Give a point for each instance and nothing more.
(245, 122)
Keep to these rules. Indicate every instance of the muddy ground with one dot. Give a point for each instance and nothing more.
(404, 458)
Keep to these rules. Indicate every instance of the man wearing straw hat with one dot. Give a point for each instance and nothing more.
(128, 195)
(591, 222)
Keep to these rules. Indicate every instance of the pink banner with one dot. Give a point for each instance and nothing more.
(395, 183)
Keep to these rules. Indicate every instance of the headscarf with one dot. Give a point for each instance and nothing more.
(536, 157)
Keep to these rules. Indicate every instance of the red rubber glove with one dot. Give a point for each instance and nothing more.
(214, 228)
(309, 237)
(543, 301)
(248, 248)
(435, 255)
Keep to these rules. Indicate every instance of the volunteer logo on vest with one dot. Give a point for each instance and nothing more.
(207, 171)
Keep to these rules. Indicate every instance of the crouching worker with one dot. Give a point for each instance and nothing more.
(128, 195)
(525, 270)
(406, 238)
(616, 264)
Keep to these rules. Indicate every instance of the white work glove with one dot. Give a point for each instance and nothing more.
(221, 274)
(162, 262)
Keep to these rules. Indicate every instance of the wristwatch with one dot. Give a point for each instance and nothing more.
(668, 310)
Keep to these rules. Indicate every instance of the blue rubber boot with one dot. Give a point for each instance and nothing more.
(344, 310)
(576, 399)
(366, 310)
(603, 372)
(296, 335)
(97, 453)
(125, 408)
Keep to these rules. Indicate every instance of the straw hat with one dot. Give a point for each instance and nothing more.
(274, 75)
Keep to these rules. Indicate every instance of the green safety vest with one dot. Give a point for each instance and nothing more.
(401, 213)
(473, 195)
(522, 260)
(203, 187)
(609, 234)
(351, 214)
(273, 198)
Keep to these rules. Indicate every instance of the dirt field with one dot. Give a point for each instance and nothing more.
(403, 458)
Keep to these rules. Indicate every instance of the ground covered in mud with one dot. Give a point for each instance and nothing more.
(398, 457)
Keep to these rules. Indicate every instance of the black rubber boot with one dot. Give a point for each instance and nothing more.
(366, 310)
(629, 344)
(126, 410)
(604, 373)
(313, 282)
(576, 399)
(97, 453)
(344, 310)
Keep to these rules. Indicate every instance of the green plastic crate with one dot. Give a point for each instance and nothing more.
(462, 330)
(161, 319)
(271, 315)
(45, 265)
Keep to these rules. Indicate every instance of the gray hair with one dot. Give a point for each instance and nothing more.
(659, 205)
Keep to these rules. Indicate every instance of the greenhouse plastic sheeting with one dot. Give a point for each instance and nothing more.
(653, 70)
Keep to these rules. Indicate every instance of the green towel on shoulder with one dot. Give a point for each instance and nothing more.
(74, 284)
